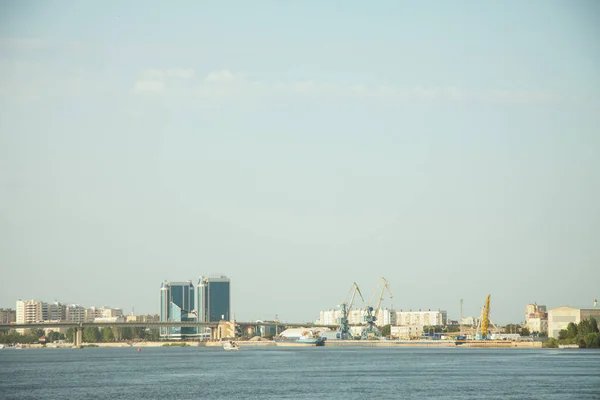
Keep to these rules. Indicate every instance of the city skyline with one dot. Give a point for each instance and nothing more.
(297, 147)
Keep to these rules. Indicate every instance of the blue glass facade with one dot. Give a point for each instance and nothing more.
(177, 305)
(213, 299)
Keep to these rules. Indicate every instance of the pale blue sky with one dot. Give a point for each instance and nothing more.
(452, 147)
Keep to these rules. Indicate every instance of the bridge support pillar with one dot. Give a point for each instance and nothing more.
(78, 337)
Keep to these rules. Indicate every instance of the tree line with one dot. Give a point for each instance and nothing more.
(585, 334)
(90, 335)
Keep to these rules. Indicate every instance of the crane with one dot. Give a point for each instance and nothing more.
(344, 330)
(484, 321)
(370, 330)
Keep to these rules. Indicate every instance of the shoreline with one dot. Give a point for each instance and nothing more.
(329, 343)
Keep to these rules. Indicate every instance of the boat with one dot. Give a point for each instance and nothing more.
(306, 338)
(1, 346)
(230, 345)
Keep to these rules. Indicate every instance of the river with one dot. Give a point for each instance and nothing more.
(299, 373)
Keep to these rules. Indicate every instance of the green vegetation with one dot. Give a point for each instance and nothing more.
(386, 330)
(585, 334)
(15, 337)
(90, 335)
(441, 329)
(514, 328)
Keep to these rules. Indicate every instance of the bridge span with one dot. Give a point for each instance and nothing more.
(79, 326)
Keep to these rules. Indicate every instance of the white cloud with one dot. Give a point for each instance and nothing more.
(222, 76)
(149, 86)
(157, 80)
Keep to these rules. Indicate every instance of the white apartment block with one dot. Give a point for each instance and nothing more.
(75, 313)
(421, 318)
(29, 311)
(332, 317)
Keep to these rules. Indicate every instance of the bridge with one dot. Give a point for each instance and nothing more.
(79, 326)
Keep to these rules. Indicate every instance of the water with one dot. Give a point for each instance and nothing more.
(299, 373)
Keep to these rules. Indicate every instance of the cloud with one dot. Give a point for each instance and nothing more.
(149, 86)
(222, 76)
(152, 80)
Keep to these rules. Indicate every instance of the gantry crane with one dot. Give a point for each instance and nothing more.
(344, 330)
(370, 330)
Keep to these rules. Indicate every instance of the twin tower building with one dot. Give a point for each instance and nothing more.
(209, 300)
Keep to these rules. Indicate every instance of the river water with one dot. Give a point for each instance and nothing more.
(299, 373)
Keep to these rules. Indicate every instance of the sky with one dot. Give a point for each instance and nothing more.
(297, 147)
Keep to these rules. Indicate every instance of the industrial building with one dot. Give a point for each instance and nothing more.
(536, 318)
(560, 317)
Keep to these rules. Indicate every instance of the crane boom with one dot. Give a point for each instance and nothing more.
(354, 290)
(485, 317)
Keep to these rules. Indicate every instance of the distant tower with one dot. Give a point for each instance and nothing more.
(213, 300)
(595, 302)
(461, 304)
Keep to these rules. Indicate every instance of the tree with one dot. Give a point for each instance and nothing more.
(572, 330)
(69, 334)
(386, 330)
(592, 340)
(38, 332)
(525, 332)
(91, 335)
(562, 334)
(512, 328)
(107, 335)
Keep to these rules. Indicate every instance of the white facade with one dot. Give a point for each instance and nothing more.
(537, 325)
(75, 313)
(332, 317)
(385, 317)
(29, 311)
(406, 332)
(536, 318)
(421, 318)
(468, 321)
(560, 317)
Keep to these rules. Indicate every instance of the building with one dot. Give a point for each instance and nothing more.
(406, 332)
(213, 299)
(385, 317)
(536, 318)
(421, 318)
(75, 313)
(177, 305)
(560, 317)
(54, 311)
(29, 311)
(468, 321)
(7, 315)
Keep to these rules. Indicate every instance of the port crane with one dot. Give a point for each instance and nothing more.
(370, 330)
(483, 327)
(344, 330)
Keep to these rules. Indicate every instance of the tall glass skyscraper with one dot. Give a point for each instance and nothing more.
(213, 299)
(177, 304)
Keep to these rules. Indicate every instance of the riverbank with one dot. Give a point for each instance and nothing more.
(329, 343)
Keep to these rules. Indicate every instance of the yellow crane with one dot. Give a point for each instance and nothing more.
(484, 320)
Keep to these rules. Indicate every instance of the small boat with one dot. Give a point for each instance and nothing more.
(230, 345)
